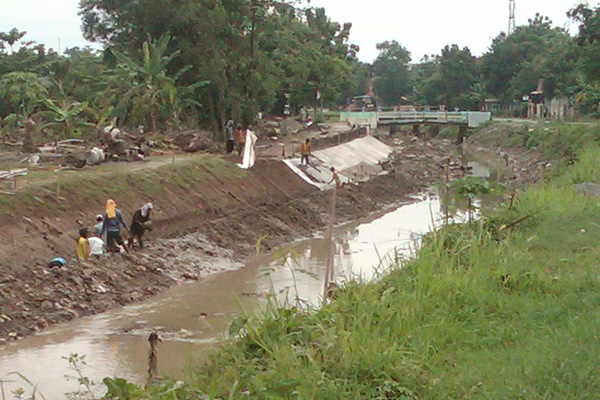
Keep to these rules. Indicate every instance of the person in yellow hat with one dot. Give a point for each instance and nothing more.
(113, 220)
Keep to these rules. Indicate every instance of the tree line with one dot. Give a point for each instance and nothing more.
(512, 67)
(169, 64)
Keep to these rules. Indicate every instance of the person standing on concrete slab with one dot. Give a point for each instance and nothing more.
(305, 151)
(229, 136)
(336, 178)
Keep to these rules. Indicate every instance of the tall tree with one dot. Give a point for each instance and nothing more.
(392, 81)
(24, 92)
(250, 51)
(11, 37)
(588, 39)
(451, 79)
(518, 56)
(426, 81)
(458, 74)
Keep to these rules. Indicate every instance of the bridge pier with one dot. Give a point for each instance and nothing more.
(415, 130)
(462, 131)
(434, 131)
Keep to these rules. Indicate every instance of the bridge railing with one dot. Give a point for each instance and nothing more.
(373, 119)
(422, 116)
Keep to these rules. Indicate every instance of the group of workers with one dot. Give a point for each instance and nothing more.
(107, 230)
(105, 235)
(236, 137)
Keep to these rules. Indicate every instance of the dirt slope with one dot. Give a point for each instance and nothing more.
(205, 202)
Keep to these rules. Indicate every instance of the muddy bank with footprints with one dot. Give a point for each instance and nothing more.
(209, 217)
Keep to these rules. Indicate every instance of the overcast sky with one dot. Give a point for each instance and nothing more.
(422, 26)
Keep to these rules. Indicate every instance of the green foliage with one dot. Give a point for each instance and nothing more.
(534, 52)
(11, 37)
(469, 189)
(65, 115)
(22, 91)
(251, 52)
(391, 72)
(120, 389)
(170, 63)
(450, 79)
(153, 96)
(458, 75)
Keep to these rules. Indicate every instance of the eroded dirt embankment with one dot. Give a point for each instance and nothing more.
(209, 215)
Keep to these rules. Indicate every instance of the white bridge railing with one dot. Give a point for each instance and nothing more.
(472, 119)
(387, 117)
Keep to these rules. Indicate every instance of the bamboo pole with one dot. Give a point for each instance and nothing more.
(447, 182)
(329, 272)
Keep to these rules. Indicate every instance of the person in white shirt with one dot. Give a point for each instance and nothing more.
(96, 246)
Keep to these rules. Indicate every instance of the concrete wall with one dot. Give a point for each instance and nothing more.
(475, 118)
(561, 108)
(360, 118)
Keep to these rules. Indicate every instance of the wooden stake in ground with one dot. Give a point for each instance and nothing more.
(329, 272)
(153, 339)
(447, 194)
(57, 189)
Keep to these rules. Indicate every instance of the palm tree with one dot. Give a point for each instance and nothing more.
(11, 37)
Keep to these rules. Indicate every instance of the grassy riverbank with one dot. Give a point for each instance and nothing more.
(484, 312)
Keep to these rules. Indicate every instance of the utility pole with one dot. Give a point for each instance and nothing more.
(511, 17)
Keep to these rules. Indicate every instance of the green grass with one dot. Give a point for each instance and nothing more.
(554, 140)
(483, 313)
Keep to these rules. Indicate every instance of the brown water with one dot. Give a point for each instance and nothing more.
(192, 319)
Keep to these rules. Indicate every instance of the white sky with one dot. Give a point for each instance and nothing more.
(422, 26)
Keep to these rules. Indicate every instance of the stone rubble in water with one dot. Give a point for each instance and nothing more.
(190, 257)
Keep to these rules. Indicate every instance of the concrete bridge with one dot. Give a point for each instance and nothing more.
(467, 119)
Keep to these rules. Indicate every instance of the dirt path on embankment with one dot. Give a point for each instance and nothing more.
(209, 216)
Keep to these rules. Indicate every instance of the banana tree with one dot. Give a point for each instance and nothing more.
(153, 93)
(65, 115)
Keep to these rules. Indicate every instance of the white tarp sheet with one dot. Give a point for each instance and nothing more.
(249, 154)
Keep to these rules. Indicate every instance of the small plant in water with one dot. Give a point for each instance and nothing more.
(77, 362)
(468, 189)
(18, 393)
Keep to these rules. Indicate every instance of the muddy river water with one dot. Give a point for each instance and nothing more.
(192, 319)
